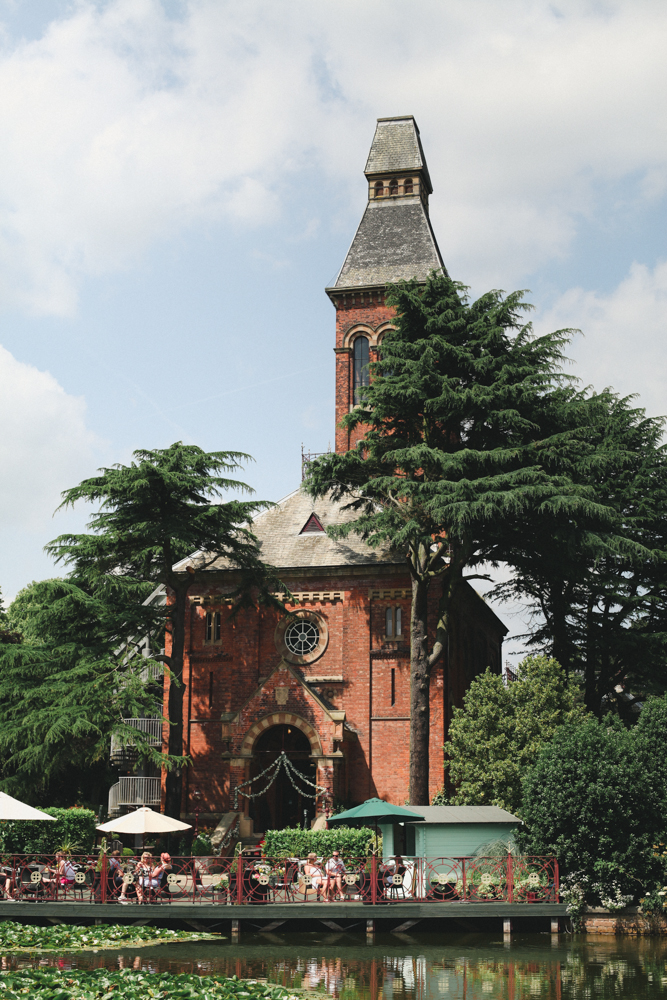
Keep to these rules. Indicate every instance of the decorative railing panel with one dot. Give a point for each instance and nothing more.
(242, 880)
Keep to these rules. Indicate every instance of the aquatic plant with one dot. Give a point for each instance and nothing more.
(18, 937)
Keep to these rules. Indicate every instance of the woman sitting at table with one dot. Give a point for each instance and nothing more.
(151, 877)
(313, 871)
(63, 874)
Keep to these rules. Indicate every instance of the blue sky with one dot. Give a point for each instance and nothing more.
(179, 181)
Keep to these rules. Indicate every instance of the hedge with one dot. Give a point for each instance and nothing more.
(73, 826)
(296, 843)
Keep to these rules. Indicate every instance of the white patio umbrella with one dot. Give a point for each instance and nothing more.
(11, 808)
(144, 820)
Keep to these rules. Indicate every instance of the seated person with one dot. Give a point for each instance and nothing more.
(150, 877)
(335, 869)
(63, 874)
(313, 871)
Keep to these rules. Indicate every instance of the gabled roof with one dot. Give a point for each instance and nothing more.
(396, 148)
(284, 545)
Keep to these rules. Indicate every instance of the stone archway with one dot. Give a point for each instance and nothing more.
(281, 719)
(286, 801)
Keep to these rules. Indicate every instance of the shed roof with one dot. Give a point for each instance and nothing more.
(465, 814)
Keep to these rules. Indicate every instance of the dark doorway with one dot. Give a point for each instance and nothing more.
(282, 805)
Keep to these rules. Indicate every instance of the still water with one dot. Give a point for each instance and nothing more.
(465, 967)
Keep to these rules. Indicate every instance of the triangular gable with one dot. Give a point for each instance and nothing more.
(308, 690)
(312, 525)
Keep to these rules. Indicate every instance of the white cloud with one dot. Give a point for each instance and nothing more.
(625, 335)
(45, 446)
(121, 126)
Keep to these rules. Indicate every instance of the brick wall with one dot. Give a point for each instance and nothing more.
(362, 672)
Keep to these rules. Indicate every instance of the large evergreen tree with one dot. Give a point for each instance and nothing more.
(163, 507)
(465, 424)
(65, 688)
(597, 590)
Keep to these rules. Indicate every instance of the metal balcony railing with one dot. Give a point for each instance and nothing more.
(151, 727)
(134, 792)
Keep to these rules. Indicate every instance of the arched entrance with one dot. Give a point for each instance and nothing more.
(282, 805)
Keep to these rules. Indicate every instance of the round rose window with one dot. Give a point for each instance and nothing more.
(302, 637)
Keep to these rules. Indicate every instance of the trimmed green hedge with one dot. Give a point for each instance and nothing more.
(295, 843)
(73, 826)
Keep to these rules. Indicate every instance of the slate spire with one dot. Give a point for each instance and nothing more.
(394, 240)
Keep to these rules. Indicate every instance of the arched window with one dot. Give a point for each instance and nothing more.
(407, 185)
(393, 186)
(389, 622)
(360, 366)
(379, 189)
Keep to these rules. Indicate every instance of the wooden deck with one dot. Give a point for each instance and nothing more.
(206, 914)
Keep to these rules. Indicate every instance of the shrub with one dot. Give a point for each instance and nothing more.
(73, 826)
(594, 794)
(295, 843)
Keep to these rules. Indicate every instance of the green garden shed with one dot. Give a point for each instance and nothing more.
(448, 831)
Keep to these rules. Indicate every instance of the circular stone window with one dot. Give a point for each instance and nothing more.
(302, 637)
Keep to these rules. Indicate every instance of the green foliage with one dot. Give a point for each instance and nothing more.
(441, 798)
(596, 792)
(64, 691)
(73, 826)
(100, 984)
(164, 507)
(598, 589)
(500, 730)
(468, 426)
(296, 843)
(20, 937)
(201, 845)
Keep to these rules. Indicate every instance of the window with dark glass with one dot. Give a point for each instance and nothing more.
(389, 622)
(407, 185)
(379, 189)
(393, 187)
(361, 358)
(212, 626)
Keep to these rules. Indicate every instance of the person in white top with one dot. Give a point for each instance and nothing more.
(313, 871)
(335, 869)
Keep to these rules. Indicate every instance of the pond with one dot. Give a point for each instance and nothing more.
(426, 967)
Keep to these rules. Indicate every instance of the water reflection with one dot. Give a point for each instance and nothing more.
(470, 967)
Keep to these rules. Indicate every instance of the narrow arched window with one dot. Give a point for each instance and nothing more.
(393, 187)
(389, 622)
(407, 185)
(379, 189)
(360, 366)
(399, 621)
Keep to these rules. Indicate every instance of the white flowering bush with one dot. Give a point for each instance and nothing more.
(611, 896)
(573, 889)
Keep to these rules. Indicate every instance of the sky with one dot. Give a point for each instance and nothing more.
(180, 179)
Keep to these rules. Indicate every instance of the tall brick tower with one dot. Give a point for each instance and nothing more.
(394, 241)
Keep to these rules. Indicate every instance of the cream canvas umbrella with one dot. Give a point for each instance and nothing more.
(144, 820)
(11, 808)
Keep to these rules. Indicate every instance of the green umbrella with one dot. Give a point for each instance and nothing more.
(372, 812)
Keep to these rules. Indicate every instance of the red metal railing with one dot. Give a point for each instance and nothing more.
(246, 879)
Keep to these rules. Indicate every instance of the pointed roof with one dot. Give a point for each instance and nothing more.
(394, 240)
(397, 148)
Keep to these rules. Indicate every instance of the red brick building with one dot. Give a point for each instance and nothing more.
(329, 685)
